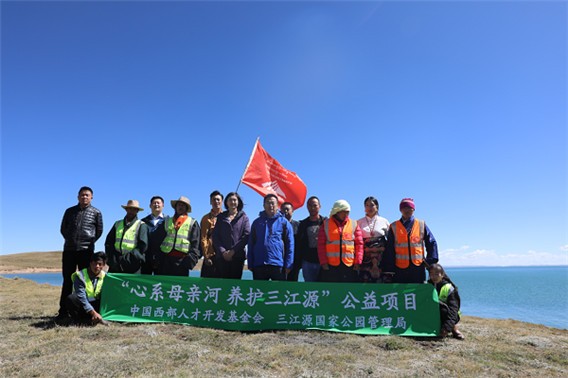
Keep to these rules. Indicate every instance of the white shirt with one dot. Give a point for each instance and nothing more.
(373, 227)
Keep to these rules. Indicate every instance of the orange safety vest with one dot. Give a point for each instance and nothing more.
(340, 246)
(405, 250)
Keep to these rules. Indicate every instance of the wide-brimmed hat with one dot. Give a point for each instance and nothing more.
(133, 204)
(182, 199)
(339, 205)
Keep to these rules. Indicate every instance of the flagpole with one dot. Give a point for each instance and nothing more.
(248, 164)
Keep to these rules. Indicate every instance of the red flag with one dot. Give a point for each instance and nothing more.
(265, 175)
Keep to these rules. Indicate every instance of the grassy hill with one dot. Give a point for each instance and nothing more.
(32, 345)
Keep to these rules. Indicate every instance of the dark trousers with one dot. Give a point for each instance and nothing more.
(150, 266)
(340, 273)
(71, 261)
(209, 271)
(412, 274)
(175, 266)
(269, 272)
(229, 269)
(76, 310)
(294, 273)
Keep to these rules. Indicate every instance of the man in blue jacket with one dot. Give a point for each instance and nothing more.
(271, 243)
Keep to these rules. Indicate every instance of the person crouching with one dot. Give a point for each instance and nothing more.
(85, 300)
(449, 301)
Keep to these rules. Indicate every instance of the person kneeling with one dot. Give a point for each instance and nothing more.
(84, 302)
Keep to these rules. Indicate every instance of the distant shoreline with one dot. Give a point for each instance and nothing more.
(29, 270)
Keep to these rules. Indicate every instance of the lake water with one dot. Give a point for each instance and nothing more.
(531, 294)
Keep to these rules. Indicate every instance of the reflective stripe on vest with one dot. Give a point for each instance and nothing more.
(177, 239)
(408, 250)
(340, 247)
(126, 241)
(93, 293)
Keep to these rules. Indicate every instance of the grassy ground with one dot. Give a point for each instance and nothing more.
(31, 261)
(31, 345)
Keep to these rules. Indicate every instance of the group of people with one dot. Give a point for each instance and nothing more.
(275, 246)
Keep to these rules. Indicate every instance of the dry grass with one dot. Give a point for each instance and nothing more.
(32, 345)
(30, 261)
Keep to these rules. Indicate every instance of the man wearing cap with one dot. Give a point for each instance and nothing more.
(180, 248)
(407, 238)
(340, 245)
(127, 241)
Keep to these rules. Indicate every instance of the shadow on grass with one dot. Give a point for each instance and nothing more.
(48, 322)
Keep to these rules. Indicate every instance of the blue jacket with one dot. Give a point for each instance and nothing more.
(271, 242)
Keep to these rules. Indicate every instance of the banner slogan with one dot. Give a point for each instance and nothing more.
(247, 305)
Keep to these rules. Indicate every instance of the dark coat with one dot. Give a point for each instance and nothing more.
(81, 228)
(231, 235)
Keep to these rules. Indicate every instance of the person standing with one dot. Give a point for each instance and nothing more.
(81, 227)
(271, 243)
(340, 245)
(180, 248)
(406, 241)
(288, 210)
(127, 241)
(208, 222)
(230, 237)
(306, 247)
(85, 301)
(374, 229)
(156, 234)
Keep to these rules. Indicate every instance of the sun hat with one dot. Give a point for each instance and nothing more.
(339, 205)
(182, 199)
(132, 204)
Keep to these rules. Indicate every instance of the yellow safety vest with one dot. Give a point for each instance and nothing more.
(93, 293)
(177, 239)
(126, 241)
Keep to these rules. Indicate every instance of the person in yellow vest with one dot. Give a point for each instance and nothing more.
(84, 302)
(411, 247)
(450, 301)
(127, 241)
(340, 245)
(180, 248)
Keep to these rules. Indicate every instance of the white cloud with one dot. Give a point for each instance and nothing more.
(485, 257)
(564, 248)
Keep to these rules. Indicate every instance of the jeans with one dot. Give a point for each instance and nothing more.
(310, 271)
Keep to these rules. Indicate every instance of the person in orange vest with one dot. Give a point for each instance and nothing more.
(340, 245)
(411, 247)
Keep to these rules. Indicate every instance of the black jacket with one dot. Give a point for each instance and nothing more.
(81, 228)
(449, 311)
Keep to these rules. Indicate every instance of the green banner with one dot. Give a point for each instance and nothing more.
(247, 305)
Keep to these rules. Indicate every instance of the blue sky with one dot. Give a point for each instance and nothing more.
(460, 105)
